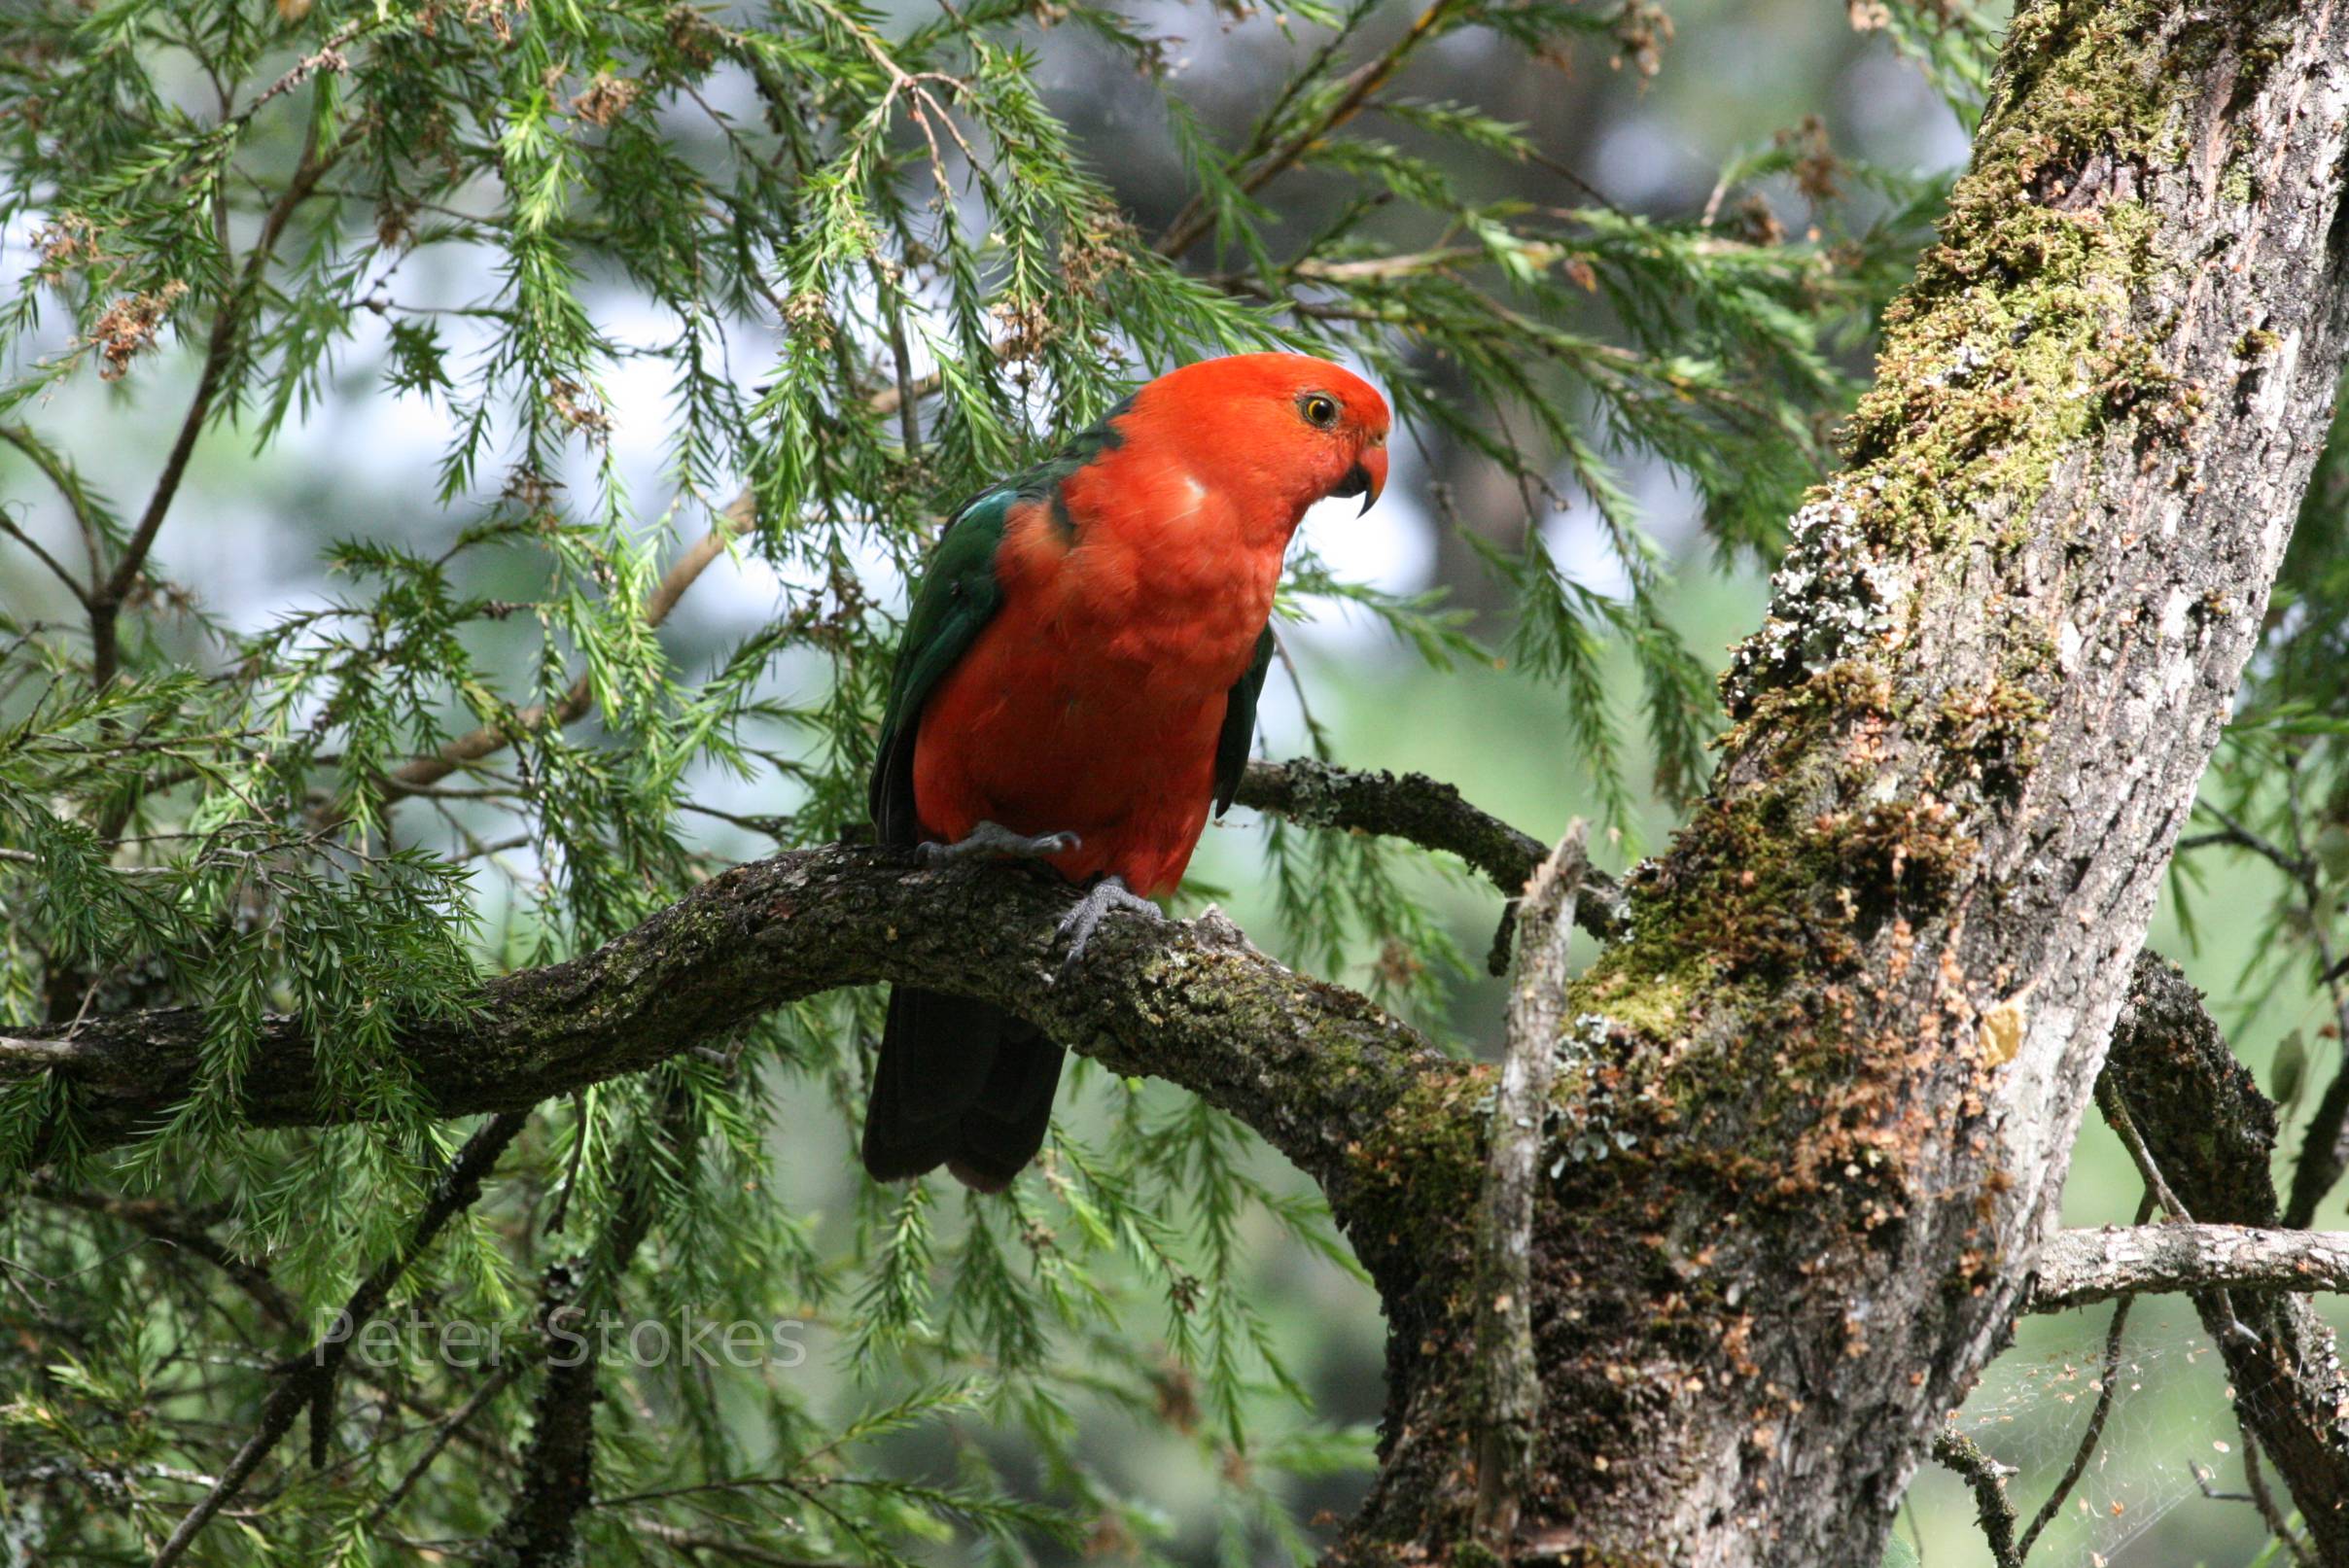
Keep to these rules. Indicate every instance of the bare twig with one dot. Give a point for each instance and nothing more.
(2106, 1385)
(1508, 1376)
(2254, 1480)
(2081, 1268)
(1426, 812)
(444, 1430)
(329, 57)
(2235, 831)
(49, 464)
(2117, 1116)
(89, 517)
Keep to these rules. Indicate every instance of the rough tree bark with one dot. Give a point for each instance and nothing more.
(1868, 992)
(1812, 1109)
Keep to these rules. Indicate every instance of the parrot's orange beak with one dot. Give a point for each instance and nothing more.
(1367, 477)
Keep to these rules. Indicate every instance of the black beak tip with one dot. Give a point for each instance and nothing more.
(1356, 484)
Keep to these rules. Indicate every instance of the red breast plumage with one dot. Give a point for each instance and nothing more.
(1132, 604)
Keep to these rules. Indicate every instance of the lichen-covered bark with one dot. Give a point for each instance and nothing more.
(1821, 1099)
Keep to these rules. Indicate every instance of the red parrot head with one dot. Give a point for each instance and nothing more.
(1286, 427)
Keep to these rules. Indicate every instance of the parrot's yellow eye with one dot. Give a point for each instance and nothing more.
(1319, 408)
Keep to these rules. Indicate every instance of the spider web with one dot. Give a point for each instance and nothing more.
(2169, 1438)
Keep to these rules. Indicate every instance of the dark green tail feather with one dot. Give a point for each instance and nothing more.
(961, 1084)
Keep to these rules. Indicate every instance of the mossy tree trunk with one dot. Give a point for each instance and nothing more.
(1818, 1105)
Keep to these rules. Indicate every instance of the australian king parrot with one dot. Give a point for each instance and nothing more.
(1077, 684)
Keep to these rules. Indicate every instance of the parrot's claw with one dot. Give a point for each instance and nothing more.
(993, 841)
(1079, 924)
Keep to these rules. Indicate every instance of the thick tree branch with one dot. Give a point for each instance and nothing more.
(2082, 1268)
(1311, 1066)
(752, 940)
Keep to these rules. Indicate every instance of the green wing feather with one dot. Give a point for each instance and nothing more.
(958, 597)
(1238, 737)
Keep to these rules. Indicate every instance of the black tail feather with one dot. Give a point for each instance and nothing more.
(961, 1084)
(1006, 1124)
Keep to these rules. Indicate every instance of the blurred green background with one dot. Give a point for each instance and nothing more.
(246, 547)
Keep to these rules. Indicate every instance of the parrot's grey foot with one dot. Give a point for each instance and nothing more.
(993, 841)
(1079, 924)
